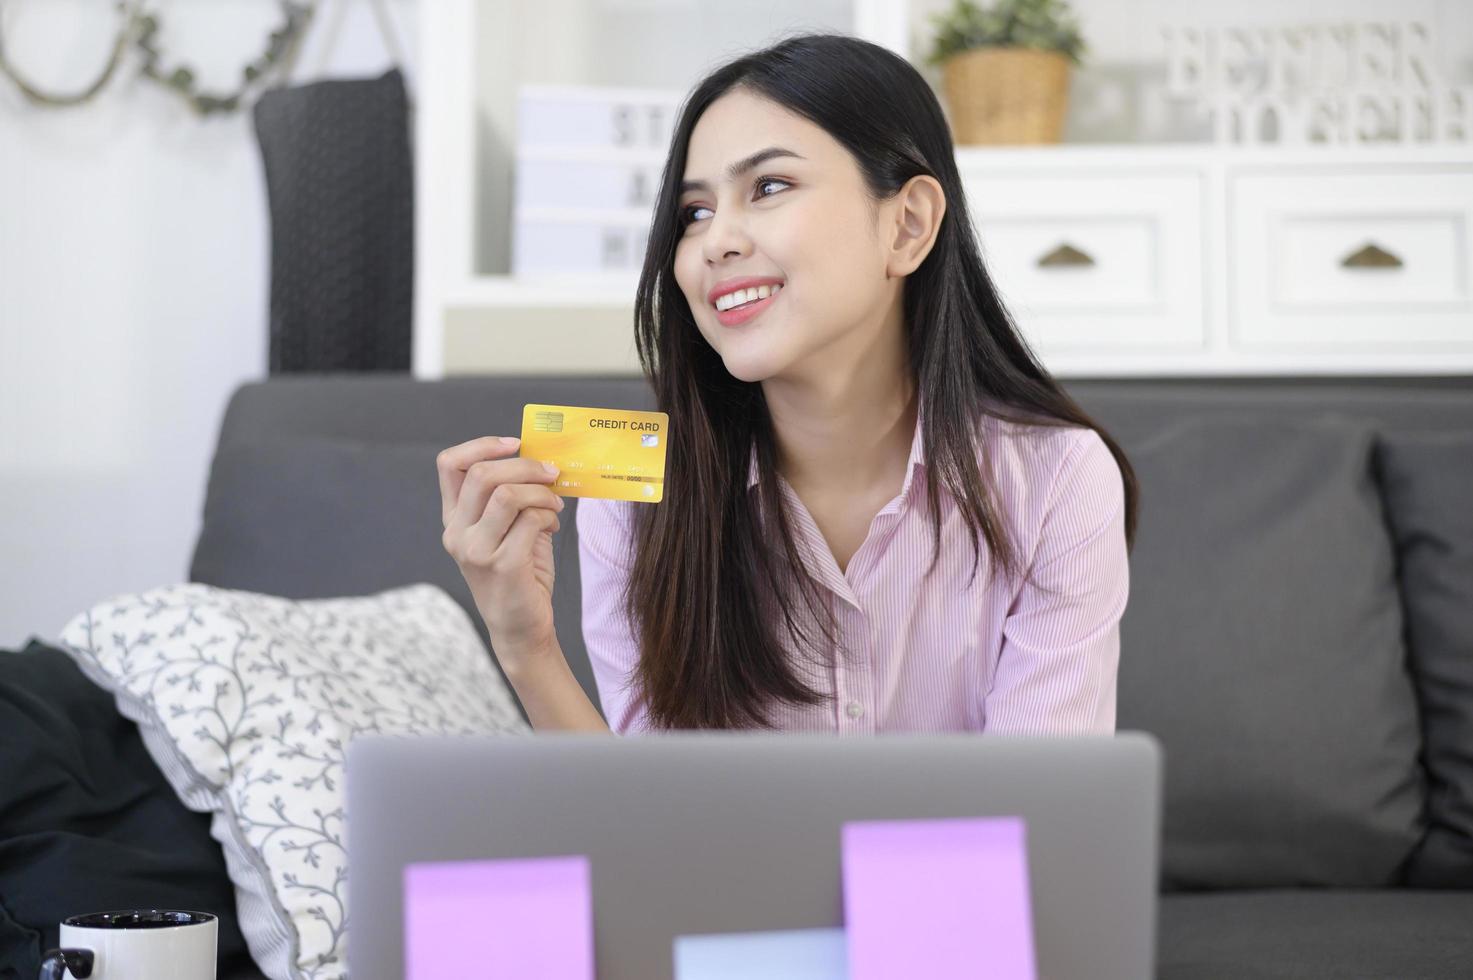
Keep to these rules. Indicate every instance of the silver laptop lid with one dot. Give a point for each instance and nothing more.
(694, 833)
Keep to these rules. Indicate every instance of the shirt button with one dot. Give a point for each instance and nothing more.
(854, 710)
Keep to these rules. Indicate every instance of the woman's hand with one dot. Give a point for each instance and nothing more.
(500, 516)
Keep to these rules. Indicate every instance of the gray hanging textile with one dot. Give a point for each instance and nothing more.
(340, 184)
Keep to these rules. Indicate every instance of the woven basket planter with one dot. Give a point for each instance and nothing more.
(1007, 95)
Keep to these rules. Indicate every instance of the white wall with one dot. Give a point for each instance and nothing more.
(134, 276)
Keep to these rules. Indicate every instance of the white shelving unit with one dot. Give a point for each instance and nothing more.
(1116, 260)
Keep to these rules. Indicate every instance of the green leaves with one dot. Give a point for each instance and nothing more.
(1047, 25)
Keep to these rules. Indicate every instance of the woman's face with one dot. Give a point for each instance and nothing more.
(802, 218)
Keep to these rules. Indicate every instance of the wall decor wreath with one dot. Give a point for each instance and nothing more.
(141, 29)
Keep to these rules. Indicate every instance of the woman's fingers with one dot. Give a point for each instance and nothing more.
(507, 502)
(452, 465)
(517, 544)
(484, 478)
(495, 507)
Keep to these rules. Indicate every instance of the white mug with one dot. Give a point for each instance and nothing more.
(139, 944)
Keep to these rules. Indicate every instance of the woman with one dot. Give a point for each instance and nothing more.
(844, 447)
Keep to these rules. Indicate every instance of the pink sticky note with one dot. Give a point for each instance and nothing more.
(525, 918)
(939, 899)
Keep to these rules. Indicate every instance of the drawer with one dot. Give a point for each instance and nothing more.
(1375, 260)
(1095, 262)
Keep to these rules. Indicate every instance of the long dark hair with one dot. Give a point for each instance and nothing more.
(703, 591)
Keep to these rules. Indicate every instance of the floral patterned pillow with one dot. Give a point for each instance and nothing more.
(247, 702)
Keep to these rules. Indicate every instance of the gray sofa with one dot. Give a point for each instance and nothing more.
(1299, 634)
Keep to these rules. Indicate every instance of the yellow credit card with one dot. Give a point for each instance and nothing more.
(599, 452)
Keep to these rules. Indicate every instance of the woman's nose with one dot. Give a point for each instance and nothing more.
(725, 236)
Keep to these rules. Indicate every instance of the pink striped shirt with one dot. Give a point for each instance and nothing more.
(939, 654)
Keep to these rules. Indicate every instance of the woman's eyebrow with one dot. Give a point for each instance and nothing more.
(740, 167)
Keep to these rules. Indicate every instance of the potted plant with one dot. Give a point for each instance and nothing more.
(1005, 69)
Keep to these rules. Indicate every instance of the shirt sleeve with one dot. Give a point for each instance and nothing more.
(1057, 670)
(605, 558)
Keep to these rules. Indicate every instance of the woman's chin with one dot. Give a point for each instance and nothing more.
(752, 369)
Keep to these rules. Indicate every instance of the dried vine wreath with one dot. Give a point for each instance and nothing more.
(141, 28)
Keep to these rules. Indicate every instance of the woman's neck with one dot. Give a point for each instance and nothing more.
(852, 438)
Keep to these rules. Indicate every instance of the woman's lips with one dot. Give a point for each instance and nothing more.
(741, 314)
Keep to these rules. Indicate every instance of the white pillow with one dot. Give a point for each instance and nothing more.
(247, 702)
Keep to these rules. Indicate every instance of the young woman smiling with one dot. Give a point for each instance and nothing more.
(847, 443)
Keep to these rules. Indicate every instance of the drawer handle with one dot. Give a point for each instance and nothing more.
(1064, 255)
(1371, 256)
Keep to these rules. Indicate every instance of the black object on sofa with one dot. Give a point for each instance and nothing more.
(1292, 636)
(88, 823)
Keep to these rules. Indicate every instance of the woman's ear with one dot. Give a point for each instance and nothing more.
(916, 212)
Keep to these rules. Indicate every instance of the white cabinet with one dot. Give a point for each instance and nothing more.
(1330, 260)
(1093, 262)
(1204, 260)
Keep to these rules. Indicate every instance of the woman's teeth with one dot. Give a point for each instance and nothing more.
(741, 296)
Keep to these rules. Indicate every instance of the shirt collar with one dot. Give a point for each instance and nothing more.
(917, 455)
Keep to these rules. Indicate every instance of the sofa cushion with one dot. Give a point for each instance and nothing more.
(1427, 479)
(1263, 646)
(1305, 934)
(314, 516)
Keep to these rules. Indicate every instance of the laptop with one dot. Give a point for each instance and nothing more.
(713, 832)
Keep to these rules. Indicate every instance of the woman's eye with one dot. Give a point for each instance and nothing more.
(685, 213)
(771, 180)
